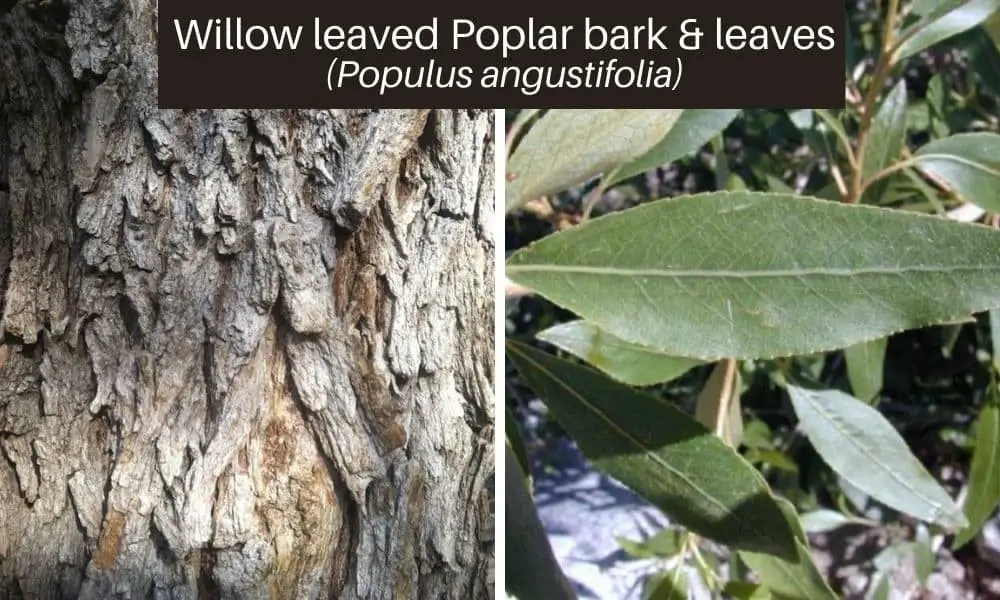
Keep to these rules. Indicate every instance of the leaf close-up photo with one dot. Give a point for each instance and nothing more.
(752, 353)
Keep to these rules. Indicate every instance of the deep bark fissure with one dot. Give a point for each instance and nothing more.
(242, 352)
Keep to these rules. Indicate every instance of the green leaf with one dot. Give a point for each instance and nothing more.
(922, 8)
(833, 122)
(861, 446)
(522, 119)
(516, 441)
(723, 176)
(918, 117)
(822, 520)
(865, 365)
(759, 274)
(969, 163)
(757, 435)
(735, 183)
(776, 459)
(790, 579)
(566, 147)
(885, 140)
(880, 586)
(983, 54)
(984, 476)
(660, 452)
(938, 106)
(995, 337)
(693, 129)
(664, 544)
(930, 193)
(743, 590)
(777, 185)
(532, 570)
(628, 363)
(923, 556)
(942, 24)
(992, 27)
(674, 586)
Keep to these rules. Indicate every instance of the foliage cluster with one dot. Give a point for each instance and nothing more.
(830, 237)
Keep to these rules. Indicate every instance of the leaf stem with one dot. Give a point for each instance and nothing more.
(711, 578)
(882, 68)
(893, 168)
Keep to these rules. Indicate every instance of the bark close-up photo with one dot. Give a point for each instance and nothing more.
(243, 353)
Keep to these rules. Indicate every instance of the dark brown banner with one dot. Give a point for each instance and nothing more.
(309, 54)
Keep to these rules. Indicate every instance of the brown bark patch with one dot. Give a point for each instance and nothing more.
(110, 540)
(278, 446)
(343, 279)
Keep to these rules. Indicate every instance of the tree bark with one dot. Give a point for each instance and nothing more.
(245, 353)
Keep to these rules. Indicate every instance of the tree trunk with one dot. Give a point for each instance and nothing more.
(245, 354)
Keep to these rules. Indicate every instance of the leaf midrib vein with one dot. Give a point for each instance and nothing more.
(931, 156)
(710, 498)
(748, 274)
(937, 506)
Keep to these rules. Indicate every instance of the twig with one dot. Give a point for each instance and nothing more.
(882, 68)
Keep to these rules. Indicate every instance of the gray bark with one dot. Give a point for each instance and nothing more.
(245, 354)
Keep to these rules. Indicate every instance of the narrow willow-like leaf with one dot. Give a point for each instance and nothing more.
(926, 7)
(532, 571)
(879, 586)
(797, 578)
(969, 163)
(625, 362)
(822, 520)
(777, 185)
(516, 441)
(861, 446)
(992, 27)
(758, 275)
(942, 24)
(836, 126)
(672, 586)
(693, 129)
(665, 544)
(995, 337)
(885, 140)
(984, 477)
(744, 590)
(865, 367)
(984, 55)
(924, 558)
(569, 146)
(660, 452)
(774, 458)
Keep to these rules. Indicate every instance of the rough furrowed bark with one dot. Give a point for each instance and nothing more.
(244, 353)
